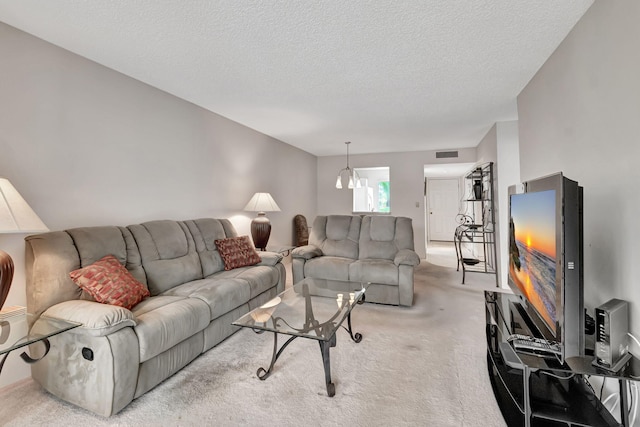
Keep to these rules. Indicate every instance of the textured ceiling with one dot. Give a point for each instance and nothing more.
(387, 75)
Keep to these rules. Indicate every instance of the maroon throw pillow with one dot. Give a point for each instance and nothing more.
(109, 282)
(237, 252)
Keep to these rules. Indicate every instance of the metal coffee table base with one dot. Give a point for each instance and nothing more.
(263, 374)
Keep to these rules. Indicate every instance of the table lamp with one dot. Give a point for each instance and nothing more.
(16, 216)
(261, 226)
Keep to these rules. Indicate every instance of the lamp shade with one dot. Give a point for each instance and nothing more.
(16, 216)
(262, 202)
(261, 226)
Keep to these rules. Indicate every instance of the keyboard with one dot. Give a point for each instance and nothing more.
(534, 346)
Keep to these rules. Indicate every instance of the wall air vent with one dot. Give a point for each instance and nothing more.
(446, 154)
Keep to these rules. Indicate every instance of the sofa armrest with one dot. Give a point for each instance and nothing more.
(269, 258)
(406, 257)
(97, 319)
(306, 252)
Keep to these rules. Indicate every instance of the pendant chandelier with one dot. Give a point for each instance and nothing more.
(349, 172)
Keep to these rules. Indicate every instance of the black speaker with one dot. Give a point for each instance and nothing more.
(612, 326)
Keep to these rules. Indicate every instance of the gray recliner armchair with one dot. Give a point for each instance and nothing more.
(376, 249)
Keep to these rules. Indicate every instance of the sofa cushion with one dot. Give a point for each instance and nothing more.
(259, 277)
(328, 267)
(49, 257)
(406, 257)
(107, 281)
(97, 319)
(336, 235)
(237, 252)
(220, 294)
(382, 229)
(270, 258)
(168, 254)
(381, 237)
(94, 243)
(306, 252)
(338, 227)
(164, 321)
(205, 232)
(381, 271)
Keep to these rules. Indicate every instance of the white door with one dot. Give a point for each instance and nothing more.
(443, 205)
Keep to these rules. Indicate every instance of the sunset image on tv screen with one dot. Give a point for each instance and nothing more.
(532, 250)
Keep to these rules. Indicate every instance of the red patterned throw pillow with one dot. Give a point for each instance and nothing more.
(237, 252)
(109, 282)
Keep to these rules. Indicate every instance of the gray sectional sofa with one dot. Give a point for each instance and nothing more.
(118, 354)
(376, 249)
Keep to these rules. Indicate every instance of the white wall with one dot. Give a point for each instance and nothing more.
(507, 174)
(500, 146)
(406, 172)
(487, 150)
(85, 146)
(580, 115)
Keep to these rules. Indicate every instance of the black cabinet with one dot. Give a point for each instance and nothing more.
(536, 391)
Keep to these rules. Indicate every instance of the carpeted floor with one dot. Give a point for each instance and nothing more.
(418, 366)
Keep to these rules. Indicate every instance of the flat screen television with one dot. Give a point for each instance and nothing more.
(545, 259)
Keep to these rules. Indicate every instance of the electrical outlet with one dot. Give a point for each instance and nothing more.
(417, 204)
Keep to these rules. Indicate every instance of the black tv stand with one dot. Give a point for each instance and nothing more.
(537, 391)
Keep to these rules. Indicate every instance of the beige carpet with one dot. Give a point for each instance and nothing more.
(418, 366)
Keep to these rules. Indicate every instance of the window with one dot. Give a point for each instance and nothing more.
(383, 197)
(374, 192)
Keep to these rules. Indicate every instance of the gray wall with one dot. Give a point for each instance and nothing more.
(580, 115)
(85, 146)
(406, 171)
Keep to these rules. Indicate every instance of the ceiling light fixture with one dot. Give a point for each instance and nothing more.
(351, 173)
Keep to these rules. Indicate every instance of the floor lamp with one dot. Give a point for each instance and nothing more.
(16, 216)
(261, 226)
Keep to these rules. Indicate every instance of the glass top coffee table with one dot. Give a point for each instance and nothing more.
(313, 309)
(14, 334)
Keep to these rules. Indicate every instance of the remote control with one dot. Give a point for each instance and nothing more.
(535, 346)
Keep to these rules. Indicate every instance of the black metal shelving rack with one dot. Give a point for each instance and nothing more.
(475, 237)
